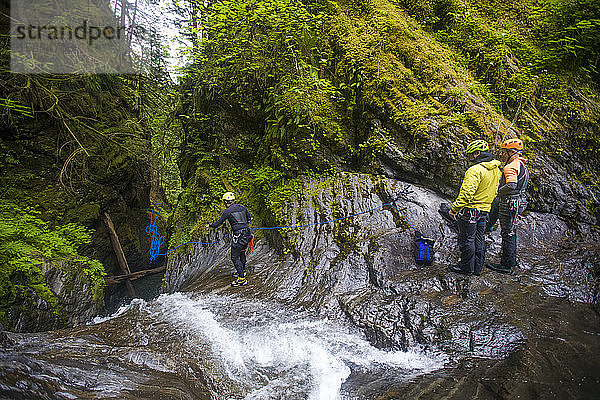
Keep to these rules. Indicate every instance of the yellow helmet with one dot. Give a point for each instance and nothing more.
(228, 196)
(477, 145)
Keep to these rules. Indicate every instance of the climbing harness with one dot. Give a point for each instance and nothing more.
(444, 211)
(242, 237)
(513, 205)
(425, 245)
(471, 215)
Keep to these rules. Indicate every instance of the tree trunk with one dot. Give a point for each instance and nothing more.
(119, 252)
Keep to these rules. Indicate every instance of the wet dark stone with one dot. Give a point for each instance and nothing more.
(554, 362)
(128, 358)
(4, 339)
(555, 181)
(363, 270)
(530, 334)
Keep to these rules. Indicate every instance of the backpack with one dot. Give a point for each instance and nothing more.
(423, 249)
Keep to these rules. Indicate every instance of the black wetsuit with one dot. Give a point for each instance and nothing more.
(510, 203)
(239, 217)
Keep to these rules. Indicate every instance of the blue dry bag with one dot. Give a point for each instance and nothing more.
(423, 249)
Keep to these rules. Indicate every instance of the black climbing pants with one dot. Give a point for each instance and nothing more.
(471, 226)
(239, 243)
(507, 209)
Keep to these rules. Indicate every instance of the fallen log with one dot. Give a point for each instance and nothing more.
(120, 255)
(112, 280)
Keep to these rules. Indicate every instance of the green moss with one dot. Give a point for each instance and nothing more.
(266, 192)
(347, 241)
(46, 294)
(342, 81)
(26, 242)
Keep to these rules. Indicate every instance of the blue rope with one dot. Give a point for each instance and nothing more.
(404, 215)
(334, 220)
(157, 240)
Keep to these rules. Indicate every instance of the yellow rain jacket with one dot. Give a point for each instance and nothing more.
(479, 186)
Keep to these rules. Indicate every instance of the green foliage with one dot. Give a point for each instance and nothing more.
(537, 59)
(264, 60)
(9, 107)
(293, 84)
(279, 88)
(431, 13)
(75, 145)
(395, 68)
(85, 150)
(372, 147)
(521, 49)
(166, 145)
(264, 190)
(26, 243)
(303, 113)
(270, 192)
(569, 33)
(250, 44)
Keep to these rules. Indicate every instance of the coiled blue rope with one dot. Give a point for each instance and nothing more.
(156, 240)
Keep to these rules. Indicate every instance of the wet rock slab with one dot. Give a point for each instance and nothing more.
(130, 357)
(362, 269)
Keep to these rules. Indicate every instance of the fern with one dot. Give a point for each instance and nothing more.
(27, 242)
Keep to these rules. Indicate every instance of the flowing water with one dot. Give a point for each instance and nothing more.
(220, 346)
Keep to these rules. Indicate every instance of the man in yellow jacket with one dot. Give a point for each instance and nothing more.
(472, 206)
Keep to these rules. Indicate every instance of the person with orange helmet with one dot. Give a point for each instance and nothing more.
(510, 202)
(239, 219)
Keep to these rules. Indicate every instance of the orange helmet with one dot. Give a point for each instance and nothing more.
(512, 144)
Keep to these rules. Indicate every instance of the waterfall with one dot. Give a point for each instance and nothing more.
(275, 352)
(207, 346)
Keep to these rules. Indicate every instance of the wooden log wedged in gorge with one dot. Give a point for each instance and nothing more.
(111, 280)
(120, 255)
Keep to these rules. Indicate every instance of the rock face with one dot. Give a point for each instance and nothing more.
(555, 185)
(74, 295)
(362, 268)
(4, 339)
(531, 334)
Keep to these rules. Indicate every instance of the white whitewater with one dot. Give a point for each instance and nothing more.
(273, 352)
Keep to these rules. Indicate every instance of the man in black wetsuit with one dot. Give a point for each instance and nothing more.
(239, 217)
